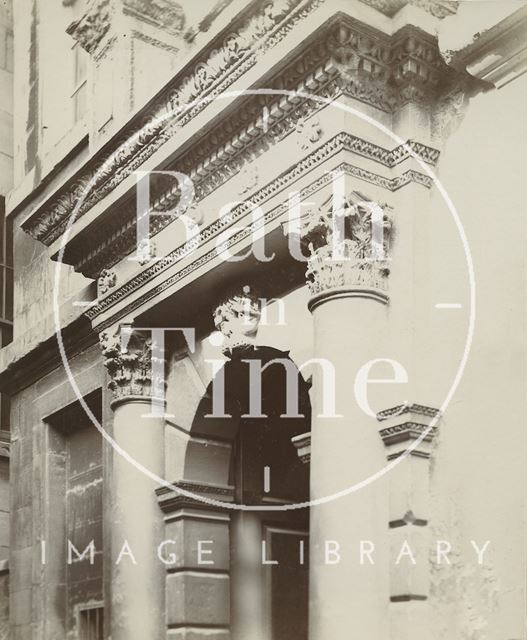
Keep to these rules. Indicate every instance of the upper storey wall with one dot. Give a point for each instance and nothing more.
(6, 99)
(69, 102)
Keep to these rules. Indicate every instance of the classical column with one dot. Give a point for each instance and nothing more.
(349, 594)
(137, 581)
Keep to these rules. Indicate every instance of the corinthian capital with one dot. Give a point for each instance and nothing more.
(132, 362)
(348, 242)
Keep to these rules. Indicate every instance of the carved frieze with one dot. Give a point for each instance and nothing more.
(211, 73)
(166, 14)
(129, 360)
(378, 70)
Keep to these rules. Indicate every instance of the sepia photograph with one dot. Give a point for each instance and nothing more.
(263, 320)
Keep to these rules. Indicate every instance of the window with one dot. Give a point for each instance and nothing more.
(6, 299)
(73, 516)
(6, 57)
(287, 583)
(78, 95)
(91, 623)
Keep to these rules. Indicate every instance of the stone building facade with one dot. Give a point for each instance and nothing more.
(199, 185)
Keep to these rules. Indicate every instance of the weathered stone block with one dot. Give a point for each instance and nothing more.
(20, 568)
(187, 533)
(197, 598)
(20, 605)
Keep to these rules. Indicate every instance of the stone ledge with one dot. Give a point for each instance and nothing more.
(171, 501)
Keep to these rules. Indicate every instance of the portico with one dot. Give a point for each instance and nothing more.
(270, 214)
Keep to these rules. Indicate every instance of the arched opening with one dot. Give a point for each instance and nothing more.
(259, 401)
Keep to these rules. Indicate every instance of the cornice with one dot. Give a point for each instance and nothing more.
(404, 424)
(171, 501)
(389, 72)
(498, 55)
(115, 238)
(438, 8)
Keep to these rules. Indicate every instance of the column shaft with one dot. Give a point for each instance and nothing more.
(347, 600)
(137, 589)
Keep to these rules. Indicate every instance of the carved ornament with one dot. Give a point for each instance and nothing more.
(129, 367)
(165, 14)
(90, 30)
(237, 317)
(106, 281)
(342, 245)
(386, 73)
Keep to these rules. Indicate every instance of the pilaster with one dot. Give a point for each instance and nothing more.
(196, 558)
(408, 432)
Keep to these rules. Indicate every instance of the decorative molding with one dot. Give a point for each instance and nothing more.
(209, 232)
(390, 72)
(90, 30)
(302, 444)
(406, 423)
(5, 444)
(341, 245)
(403, 409)
(248, 179)
(130, 368)
(171, 501)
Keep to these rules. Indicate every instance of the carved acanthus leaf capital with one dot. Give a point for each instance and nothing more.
(130, 358)
(348, 244)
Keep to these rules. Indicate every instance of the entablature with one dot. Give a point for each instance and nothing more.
(383, 70)
(180, 263)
